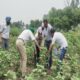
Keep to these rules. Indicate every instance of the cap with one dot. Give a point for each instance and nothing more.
(31, 30)
(8, 19)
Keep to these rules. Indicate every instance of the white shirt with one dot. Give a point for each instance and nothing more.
(45, 32)
(26, 35)
(5, 30)
(36, 35)
(60, 39)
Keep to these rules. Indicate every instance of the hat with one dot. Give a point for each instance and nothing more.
(8, 19)
(32, 29)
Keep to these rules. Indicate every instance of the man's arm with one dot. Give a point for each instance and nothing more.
(37, 44)
(50, 49)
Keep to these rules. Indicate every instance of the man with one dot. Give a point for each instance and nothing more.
(39, 38)
(25, 36)
(45, 29)
(61, 41)
(4, 33)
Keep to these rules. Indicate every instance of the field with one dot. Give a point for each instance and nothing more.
(69, 69)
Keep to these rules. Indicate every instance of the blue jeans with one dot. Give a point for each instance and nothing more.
(61, 57)
(5, 43)
(47, 44)
(62, 53)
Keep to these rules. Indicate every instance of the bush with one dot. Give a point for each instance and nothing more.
(15, 31)
(70, 67)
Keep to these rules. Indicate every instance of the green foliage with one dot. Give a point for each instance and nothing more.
(37, 74)
(15, 31)
(34, 24)
(64, 18)
(69, 68)
(11, 75)
(74, 3)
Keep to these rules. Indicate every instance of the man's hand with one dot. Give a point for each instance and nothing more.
(41, 48)
(46, 53)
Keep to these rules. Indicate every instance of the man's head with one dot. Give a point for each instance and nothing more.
(45, 23)
(52, 31)
(39, 34)
(8, 20)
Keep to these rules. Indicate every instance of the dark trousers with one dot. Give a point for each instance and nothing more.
(5, 43)
(37, 56)
(47, 45)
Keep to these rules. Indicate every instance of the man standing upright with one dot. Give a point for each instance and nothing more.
(5, 31)
(45, 29)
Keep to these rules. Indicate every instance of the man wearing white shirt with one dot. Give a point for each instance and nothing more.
(45, 29)
(60, 39)
(5, 31)
(25, 36)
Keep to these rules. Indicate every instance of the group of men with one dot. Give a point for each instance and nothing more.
(47, 33)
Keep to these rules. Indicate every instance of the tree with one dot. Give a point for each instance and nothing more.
(34, 24)
(72, 3)
(19, 24)
(67, 3)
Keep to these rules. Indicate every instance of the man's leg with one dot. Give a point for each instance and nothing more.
(36, 56)
(3, 43)
(6, 43)
(50, 56)
(62, 54)
(50, 60)
(47, 44)
(23, 57)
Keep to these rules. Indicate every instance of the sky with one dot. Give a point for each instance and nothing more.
(27, 10)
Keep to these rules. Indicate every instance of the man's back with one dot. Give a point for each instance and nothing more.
(26, 35)
(60, 39)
